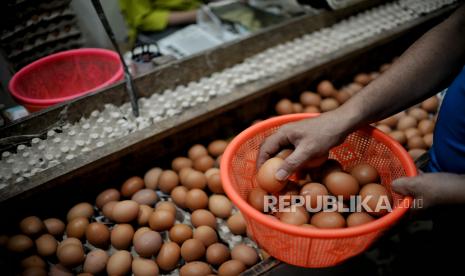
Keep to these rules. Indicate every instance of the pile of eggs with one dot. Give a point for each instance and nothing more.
(320, 178)
(136, 229)
(413, 128)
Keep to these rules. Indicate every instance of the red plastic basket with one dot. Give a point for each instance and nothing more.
(309, 247)
(64, 76)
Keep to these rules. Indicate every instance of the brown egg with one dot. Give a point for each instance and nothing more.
(179, 194)
(70, 255)
(19, 243)
(121, 236)
(180, 163)
(139, 233)
(119, 263)
(217, 147)
(217, 254)
(326, 89)
(96, 261)
(161, 220)
(169, 256)
(406, 122)
(196, 199)
(328, 167)
(297, 108)
(416, 142)
(390, 121)
(311, 109)
(220, 206)
(60, 270)
(168, 180)
(148, 244)
(107, 209)
(195, 269)
(353, 88)
(192, 250)
(203, 217)
(415, 153)
(236, 223)
(211, 171)
(67, 241)
(266, 175)
(32, 226)
(244, 254)
(256, 198)
(426, 126)
(107, 196)
(431, 105)
(362, 79)
(364, 173)
(194, 179)
(180, 233)
(167, 206)
(144, 267)
(312, 191)
(77, 227)
(310, 98)
(206, 235)
(132, 185)
(342, 96)
(411, 132)
(34, 271)
(399, 136)
(358, 218)
(418, 113)
(54, 226)
(98, 234)
(231, 268)
(145, 196)
(33, 261)
(384, 128)
(328, 220)
(151, 178)
(46, 245)
(184, 173)
(329, 104)
(374, 192)
(82, 209)
(214, 183)
(428, 139)
(144, 214)
(299, 217)
(341, 184)
(196, 151)
(125, 211)
(284, 107)
(203, 163)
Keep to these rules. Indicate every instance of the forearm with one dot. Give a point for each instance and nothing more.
(424, 69)
(181, 17)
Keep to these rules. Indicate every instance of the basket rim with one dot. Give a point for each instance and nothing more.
(249, 212)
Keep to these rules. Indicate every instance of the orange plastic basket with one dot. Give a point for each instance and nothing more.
(309, 247)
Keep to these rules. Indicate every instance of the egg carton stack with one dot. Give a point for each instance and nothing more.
(115, 122)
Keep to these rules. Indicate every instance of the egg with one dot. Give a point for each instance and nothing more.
(169, 256)
(179, 194)
(33, 261)
(372, 193)
(19, 243)
(297, 108)
(107, 196)
(231, 268)
(362, 79)
(328, 167)
(192, 250)
(144, 214)
(341, 184)
(180, 163)
(284, 107)
(364, 173)
(384, 128)
(217, 147)
(328, 104)
(148, 243)
(299, 217)
(139, 233)
(98, 234)
(328, 220)
(353, 88)
(256, 198)
(60, 270)
(266, 175)
(416, 142)
(151, 178)
(183, 173)
(32, 226)
(326, 89)
(214, 183)
(125, 211)
(180, 233)
(206, 235)
(236, 223)
(145, 196)
(358, 218)
(428, 139)
(46, 245)
(195, 269)
(34, 271)
(82, 209)
(431, 105)
(217, 254)
(194, 179)
(67, 241)
(196, 199)
(203, 217)
(121, 236)
(131, 186)
(161, 220)
(310, 98)
(412, 132)
(70, 255)
(342, 96)
(416, 153)
(196, 151)
(399, 136)
(168, 180)
(426, 126)
(312, 109)
(77, 227)
(119, 263)
(143, 267)
(167, 206)
(107, 209)
(96, 261)
(389, 121)
(220, 206)
(406, 122)
(418, 113)
(244, 254)
(312, 191)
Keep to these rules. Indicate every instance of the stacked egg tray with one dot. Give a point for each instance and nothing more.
(68, 141)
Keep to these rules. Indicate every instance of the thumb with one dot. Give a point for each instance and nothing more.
(291, 163)
(403, 186)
